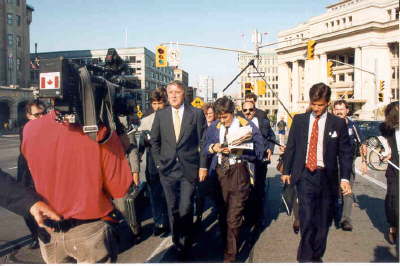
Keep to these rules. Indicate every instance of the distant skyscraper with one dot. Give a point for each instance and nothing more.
(205, 88)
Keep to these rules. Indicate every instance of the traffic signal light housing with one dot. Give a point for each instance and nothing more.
(248, 87)
(381, 85)
(310, 49)
(261, 87)
(329, 68)
(161, 56)
(380, 97)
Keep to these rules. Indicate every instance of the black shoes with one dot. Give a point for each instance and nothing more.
(346, 226)
(160, 230)
(34, 244)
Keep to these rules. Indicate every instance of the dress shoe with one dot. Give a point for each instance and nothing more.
(346, 226)
(34, 244)
(296, 226)
(392, 236)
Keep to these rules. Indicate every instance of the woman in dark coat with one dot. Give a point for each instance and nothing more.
(390, 130)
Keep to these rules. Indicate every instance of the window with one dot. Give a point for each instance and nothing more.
(341, 77)
(351, 76)
(18, 2)
(332, 24)
(10, 39)
(19, 64)
(18, 20)
(132, 59)
(341, 58)
(10, 1)
(344, 20)
(397, 13)
(351, 59)
(18, 41)
(350, 19)
(9, 19)
(10, 62)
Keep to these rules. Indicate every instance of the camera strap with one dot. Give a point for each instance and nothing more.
(89, 114)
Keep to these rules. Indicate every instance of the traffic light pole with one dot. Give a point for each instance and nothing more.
(210, 47)
(251, 63)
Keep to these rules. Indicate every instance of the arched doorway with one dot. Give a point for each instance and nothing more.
(4, 114)
(21, 116)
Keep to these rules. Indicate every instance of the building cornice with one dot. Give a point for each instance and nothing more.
(369, 27)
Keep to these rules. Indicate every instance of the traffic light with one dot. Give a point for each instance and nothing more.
(381, 85)
(247, 87)
(329, 70)
(380, 97)
(261, 87)
(310, 49)
(161, 56)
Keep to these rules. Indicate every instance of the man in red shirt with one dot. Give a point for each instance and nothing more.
(77, 177)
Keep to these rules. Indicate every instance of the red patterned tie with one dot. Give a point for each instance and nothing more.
(312, 147)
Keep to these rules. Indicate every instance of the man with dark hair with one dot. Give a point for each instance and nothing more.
(158, 100)
(176, 142)
(34, 109)
(257, 199)
(341, 109)
(231, 169)
(251, 97)
(317, 141)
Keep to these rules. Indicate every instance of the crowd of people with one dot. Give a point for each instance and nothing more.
(220, 152)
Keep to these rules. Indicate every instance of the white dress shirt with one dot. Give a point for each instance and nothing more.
(321, 131)
(235, 125)
(255, 121)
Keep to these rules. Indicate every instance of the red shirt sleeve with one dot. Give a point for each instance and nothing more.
(115, 167)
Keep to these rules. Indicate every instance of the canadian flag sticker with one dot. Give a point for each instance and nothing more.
(50, 80)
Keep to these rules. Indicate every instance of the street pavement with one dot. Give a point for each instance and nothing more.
(275, 243)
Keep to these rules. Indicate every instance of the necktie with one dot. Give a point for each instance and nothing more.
(225, 157)
(312, 147)
(177, 124)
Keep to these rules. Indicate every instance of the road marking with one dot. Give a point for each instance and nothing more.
(15, 167)
(164, 245)
(371, 179)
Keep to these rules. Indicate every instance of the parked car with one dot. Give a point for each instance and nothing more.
(369, 129)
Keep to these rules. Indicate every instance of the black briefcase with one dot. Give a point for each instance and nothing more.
(132, 202)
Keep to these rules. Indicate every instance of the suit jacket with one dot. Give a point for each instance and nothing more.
(266, 131)
(212, 137)
(335, 149)
(15, 196)
(389, 134)
(145, 125)
(170, 154)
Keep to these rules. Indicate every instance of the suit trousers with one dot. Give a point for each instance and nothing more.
(235, 187)
(179, 196)
(157, 199)
(316, 200)
(348, 200)
(392, 200)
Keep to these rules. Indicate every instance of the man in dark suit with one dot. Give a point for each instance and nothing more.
(257, 198)
(317, 141)
(176, 143)
(251, 97)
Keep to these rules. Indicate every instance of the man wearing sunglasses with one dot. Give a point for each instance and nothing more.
(257, 198)
(34, 109)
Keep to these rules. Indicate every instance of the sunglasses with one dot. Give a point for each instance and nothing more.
(250, 110)
(37, 115)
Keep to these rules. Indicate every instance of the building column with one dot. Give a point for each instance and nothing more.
(284, 89)
(323, 76)
(358, 91)
(295, 87)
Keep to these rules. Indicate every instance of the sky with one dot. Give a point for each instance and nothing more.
(60, 25)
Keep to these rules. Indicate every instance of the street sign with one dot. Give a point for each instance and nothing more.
(256, 75)
(197, 102)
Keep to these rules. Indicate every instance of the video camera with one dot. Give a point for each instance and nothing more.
(89, 95)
